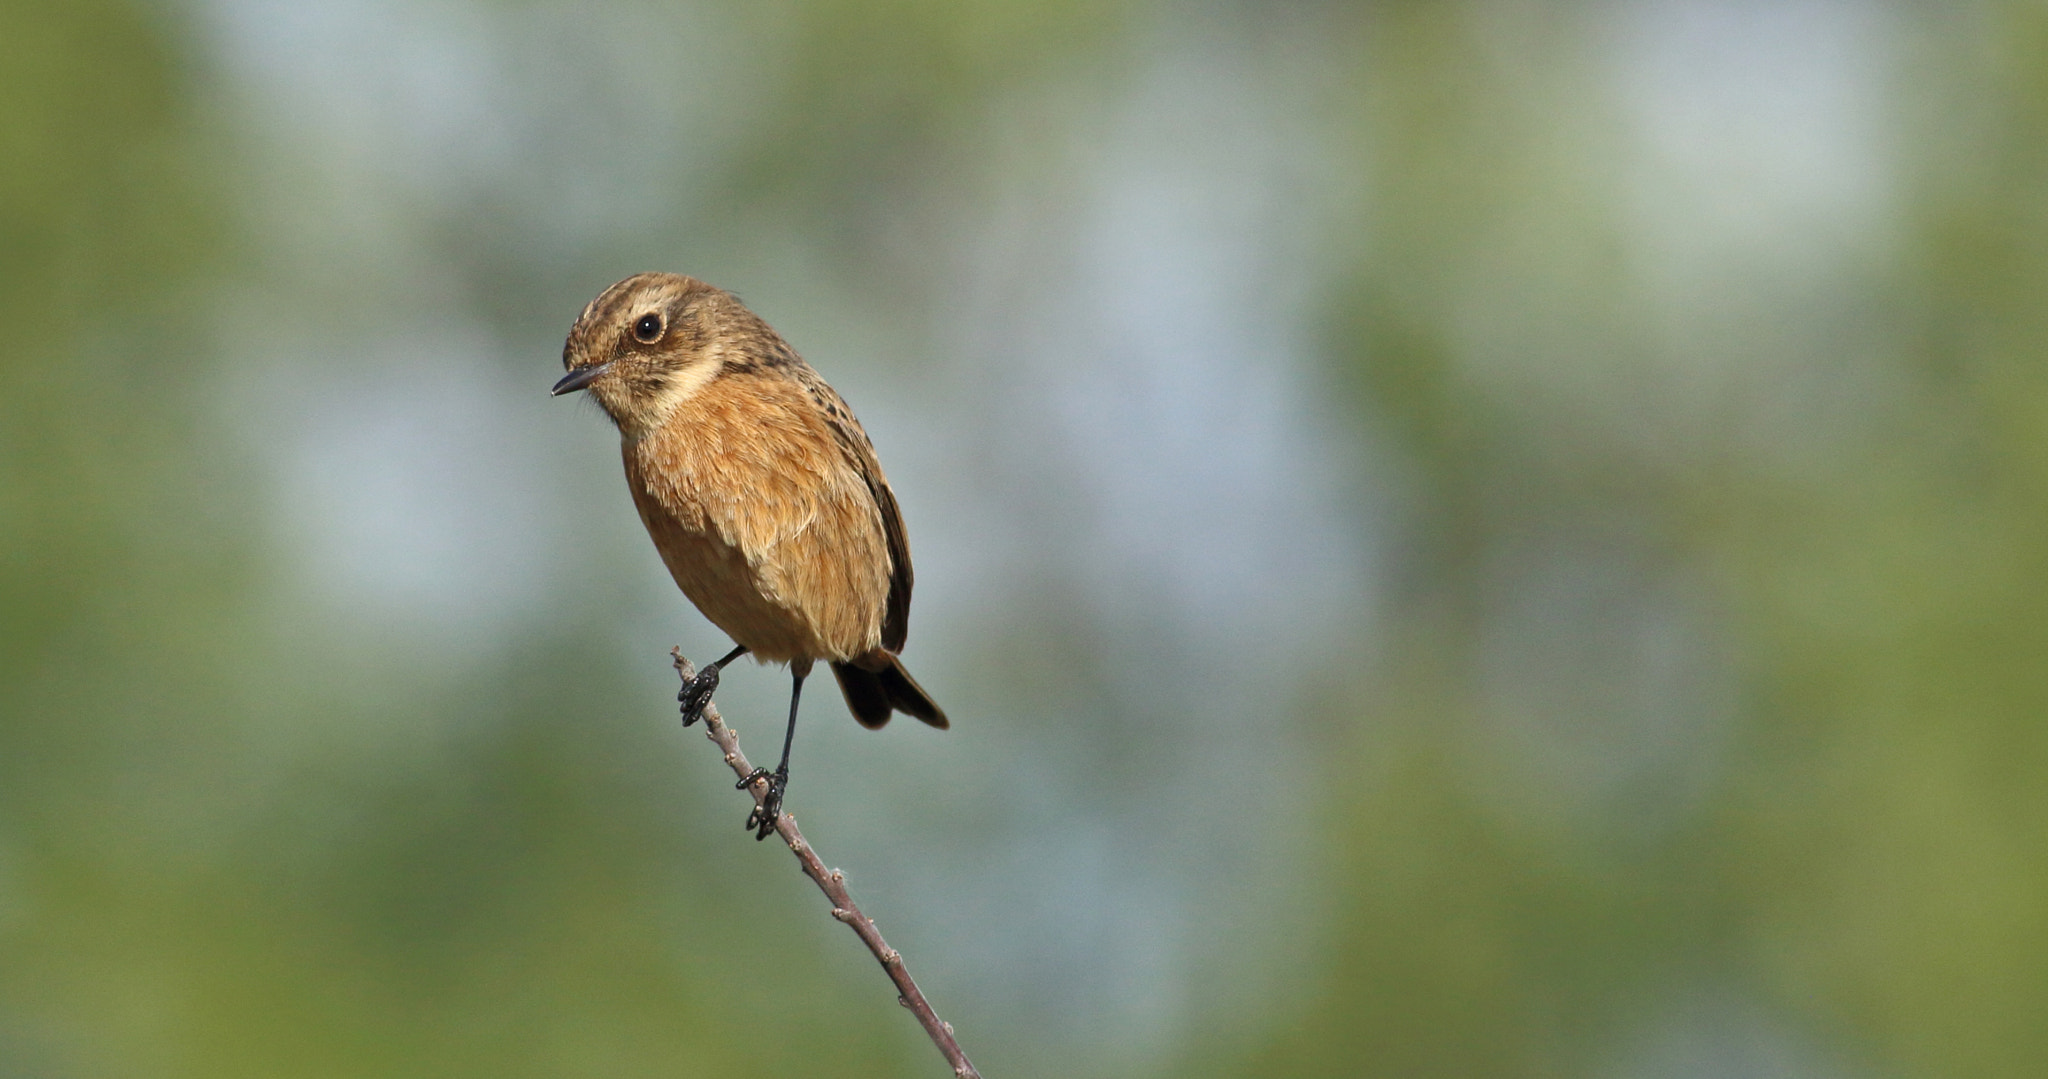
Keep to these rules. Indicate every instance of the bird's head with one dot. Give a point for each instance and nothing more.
(645, 345)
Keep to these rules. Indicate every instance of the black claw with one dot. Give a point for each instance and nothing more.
(696, 693)
(763, 817)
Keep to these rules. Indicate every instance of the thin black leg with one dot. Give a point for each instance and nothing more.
(796, 690)
(764, 816)
(696, 693)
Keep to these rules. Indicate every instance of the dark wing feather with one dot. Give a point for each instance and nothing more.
(861, 454)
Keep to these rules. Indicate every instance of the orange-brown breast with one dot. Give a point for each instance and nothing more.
(763, 521)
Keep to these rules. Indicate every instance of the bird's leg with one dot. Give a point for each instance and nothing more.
(764, 816)
(696, 693)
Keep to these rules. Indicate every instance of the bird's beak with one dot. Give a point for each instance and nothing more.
(579, 378)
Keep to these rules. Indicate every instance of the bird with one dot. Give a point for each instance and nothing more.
(762, 494)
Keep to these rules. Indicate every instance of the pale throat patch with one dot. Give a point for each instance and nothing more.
(679, 387)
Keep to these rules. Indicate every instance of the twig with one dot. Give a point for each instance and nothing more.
(833, 883)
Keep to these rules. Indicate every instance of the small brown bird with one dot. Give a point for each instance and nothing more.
(761, 492)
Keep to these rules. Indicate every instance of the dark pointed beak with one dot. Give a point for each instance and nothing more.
(579, 378)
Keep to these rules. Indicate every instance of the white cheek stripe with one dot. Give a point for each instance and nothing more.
(680, 387)
(684, 385)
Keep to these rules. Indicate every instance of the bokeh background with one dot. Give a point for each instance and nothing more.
(1460, 539)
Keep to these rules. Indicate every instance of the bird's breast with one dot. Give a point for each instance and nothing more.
(763, 525)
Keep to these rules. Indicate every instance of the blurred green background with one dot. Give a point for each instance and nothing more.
(1460, 539)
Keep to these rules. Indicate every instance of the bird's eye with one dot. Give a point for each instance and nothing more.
(648, 328)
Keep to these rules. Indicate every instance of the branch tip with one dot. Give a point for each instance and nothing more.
(833, 883)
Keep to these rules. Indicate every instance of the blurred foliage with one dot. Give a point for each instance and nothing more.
(507, 885)
(1868, 862)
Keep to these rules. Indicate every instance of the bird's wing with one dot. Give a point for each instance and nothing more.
(860, 453)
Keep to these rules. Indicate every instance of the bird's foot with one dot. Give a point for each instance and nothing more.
(696, 693)
(762, 819)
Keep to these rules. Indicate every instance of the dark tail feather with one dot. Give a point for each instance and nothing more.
(909, 698)
(865, 697)
(872, 695)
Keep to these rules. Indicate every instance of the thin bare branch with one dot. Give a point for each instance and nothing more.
(833, 883)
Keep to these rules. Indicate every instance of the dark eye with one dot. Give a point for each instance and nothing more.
(648, 328)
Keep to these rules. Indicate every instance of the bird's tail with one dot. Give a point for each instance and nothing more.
(871, 695)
